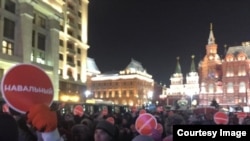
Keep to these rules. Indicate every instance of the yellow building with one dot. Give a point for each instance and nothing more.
(51, 35)
(131, 86)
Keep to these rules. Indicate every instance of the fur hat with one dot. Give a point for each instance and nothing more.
(107, 127)
(8, 128)
(143, 138)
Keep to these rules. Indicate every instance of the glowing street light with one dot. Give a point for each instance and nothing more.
(150, 94)
(87, 93)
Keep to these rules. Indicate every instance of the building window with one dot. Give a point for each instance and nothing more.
(78, 76)
(110, 93)
(9, 29)
(211, 88)
(41, 42)
(70, 58)
(124, 93)
(242, 87)
(70, 20)
(116, 93)
(79, 14)
(69, 73)
(41, 21)
(41, 57)
(241, 71)
(105, 95)
(34, 18)
(80, 26)
(7, 47)
(10, 6)
(33, 38)
(70, 32)
(70, 45)
(230, 88)
(61, 28)
(61, 42)
(60, 72)
(78, 50)
(78, 63)
(79, 37)
(70, 6)
(230, 71)
(61, 57)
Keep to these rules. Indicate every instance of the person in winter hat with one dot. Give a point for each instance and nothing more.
(44, 121)
(8, 128)
(143, 138)
(81, 132)
(104, 131)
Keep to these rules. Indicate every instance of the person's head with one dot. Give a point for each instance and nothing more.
(81, 132)
(142, 138)
(104, 131)
(8, 128)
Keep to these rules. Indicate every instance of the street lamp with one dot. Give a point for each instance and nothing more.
(87, 93)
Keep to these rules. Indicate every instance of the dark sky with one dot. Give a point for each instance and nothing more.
(155, 32)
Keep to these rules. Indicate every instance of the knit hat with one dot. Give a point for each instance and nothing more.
(107, 127)
(143, 138)
(9, 128)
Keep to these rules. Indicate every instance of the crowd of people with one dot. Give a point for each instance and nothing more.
(42, 123)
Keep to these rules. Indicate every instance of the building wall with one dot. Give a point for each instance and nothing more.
(29, 35)
(49, 34)
(122, 90)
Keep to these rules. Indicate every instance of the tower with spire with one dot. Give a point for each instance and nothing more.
(210, 70)
(176, 87)
(192, 81)
(226, 81)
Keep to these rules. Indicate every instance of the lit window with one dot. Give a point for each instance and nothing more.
(7, 47)
(230, 88)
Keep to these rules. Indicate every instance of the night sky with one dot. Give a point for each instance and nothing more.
(155, 32)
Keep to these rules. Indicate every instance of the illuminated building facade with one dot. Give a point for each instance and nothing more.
(50, 34)
(225, 80)
(131, 86)
(73, 50)
(179, 88)
(210, 72)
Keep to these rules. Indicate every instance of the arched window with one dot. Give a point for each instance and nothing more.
(230, 88)
(203, 88)
(242, 87)
(211, 88)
